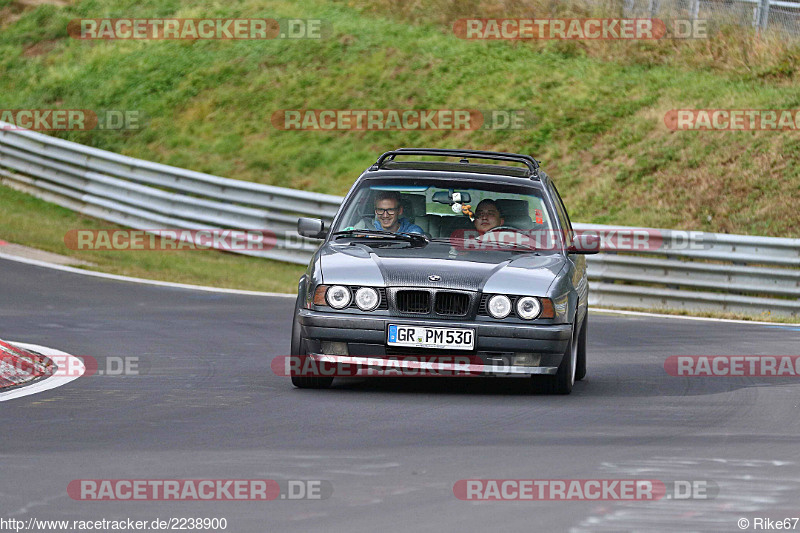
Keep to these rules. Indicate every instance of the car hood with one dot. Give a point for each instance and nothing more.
(403, 266)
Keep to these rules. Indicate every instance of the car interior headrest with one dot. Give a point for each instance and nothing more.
(515, 213)
(413, 205)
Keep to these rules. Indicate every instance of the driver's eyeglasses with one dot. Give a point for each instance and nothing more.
(381, 212)
(481, 214)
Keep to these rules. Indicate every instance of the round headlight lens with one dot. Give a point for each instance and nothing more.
(367, 299)
(528, 307)
(499, 306)
(338, 296)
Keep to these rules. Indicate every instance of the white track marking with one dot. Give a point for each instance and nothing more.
(73, 363)
(116, 277)
(683, 317)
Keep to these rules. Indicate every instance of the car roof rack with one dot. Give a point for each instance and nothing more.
(528, 161)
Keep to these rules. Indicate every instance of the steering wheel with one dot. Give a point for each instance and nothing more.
(485, 237)
(500, 228)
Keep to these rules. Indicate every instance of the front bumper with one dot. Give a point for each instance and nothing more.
(495, 342)
(384, 365)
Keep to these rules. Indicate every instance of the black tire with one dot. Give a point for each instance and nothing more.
(580, 370)
(311, 382)
(295, 348)
(564, 379)
(299, 348)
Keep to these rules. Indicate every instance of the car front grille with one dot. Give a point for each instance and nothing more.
(431, 302)
(413, 302)
(452, 303)
(483, 309)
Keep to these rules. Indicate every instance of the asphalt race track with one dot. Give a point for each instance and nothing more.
(205, 404)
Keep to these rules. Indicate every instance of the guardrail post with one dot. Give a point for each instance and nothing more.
(694, 9)
(762, 15)
(627, 8)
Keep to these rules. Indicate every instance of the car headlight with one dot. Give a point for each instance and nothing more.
(338, 296)
(528, 307)
(499, 306)
(367, 299)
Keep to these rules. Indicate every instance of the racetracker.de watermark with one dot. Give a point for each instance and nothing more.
(196, 28)
(733, 365)
(170, 240)
(583, 489)
(245, 240)
(401, 119)
(733, 119)
(579, 29)
(198, 489)
(412, 366)
(588, 240)
(82, 365)
(70, 119)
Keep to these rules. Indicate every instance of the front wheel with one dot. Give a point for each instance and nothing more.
(308, 382)
(580, 371)
(564, 379)
(311, 382)
(298, 347)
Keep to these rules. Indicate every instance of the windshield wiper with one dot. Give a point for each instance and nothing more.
(490, 245)
(515, 246)
(374, 233)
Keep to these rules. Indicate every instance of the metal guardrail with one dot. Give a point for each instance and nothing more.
(146, 195)
(779, 15)
(703, 272)
(718, 272)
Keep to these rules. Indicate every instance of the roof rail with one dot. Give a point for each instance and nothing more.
(531, 163)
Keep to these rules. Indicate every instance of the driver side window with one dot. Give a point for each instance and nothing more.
(561, 211)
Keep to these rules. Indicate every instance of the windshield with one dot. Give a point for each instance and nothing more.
(440, 211)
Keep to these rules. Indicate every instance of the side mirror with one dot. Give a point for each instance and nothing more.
(312, 228)
(585, 243)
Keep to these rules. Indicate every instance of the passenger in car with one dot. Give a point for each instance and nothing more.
(389, 214)
(487, 216)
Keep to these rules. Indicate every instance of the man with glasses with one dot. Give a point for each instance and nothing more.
(389, 214)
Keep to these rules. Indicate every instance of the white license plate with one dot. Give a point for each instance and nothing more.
(424, 337)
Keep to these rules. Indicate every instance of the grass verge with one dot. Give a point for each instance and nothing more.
(42, 225)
